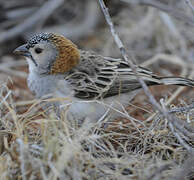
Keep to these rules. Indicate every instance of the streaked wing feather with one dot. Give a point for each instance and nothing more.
(98, 76)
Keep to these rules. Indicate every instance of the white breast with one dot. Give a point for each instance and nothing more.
(41, 85)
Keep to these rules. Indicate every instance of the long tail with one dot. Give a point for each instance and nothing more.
(177, 81)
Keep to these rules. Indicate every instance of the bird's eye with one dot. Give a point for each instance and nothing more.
(38, 50)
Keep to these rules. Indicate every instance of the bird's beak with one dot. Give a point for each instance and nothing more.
(22, 50)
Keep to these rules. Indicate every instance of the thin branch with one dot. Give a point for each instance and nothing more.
(153, 101)
(181, 141)
(166, 8)
(188, 2)
(44, 12)
(75, 30)
(125, 55)
(159, 171)
(22, 158)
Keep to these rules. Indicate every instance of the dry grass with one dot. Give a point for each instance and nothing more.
(141, 145)
(34, 145)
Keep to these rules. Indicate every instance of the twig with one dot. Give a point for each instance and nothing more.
(14, 72)
(166, 8)
(125, 56)
(22, 158)
(5, 97)
(153, 101)
(174, 124)
(19, 13)
(44, 12)
(186, 170)
(188, 2)
(159, 171)
(82, 28)
(181, 141)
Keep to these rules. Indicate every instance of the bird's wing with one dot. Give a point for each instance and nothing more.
(126, 80)
(97, 76)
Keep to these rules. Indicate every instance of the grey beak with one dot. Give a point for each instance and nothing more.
(22, 50)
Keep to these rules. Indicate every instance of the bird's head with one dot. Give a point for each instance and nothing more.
(50, 53)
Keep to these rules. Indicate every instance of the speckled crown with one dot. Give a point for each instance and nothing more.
(68, 53)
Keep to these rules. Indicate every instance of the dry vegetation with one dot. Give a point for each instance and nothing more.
(145, 143)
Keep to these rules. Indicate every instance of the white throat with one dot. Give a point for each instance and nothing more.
(40, 84)
(31, 66)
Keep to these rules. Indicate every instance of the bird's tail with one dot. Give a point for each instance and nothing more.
(177, 81)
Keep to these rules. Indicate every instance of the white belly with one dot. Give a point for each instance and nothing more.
(94, 110)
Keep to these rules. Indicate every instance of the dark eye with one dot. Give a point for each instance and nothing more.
(38, 50)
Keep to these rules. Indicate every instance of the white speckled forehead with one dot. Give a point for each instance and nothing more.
(38, 38)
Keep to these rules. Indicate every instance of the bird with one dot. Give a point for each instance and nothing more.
(91, 83)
